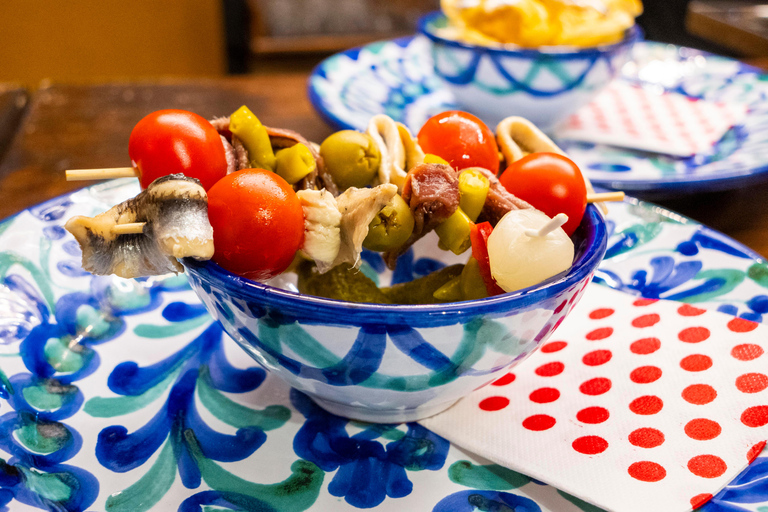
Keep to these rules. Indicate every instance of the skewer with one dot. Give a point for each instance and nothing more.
(554, 223)
(595, 197)
(132, 228)
(101, 174)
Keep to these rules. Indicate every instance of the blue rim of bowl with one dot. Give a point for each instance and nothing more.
(631, 36)
(594, 242)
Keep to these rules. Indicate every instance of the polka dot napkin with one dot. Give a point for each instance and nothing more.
(632, 405)
(634, 117)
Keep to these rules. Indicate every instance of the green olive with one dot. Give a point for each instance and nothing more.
(351, 158)
(391, 227)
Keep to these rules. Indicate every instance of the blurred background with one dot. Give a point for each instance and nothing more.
(97, 40)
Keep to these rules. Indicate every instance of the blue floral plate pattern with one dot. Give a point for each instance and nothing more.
(397, 78)
(124, 395)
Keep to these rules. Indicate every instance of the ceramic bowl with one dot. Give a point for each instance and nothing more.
(394, 363)
(544, 85)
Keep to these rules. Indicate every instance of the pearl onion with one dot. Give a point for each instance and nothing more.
(518, 260)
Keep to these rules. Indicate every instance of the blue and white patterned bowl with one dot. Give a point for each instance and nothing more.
(394, 363)
(544, 85)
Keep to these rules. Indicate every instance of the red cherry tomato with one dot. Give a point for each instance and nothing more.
(176, 141)
(258, 223)
(550, 182)
(461, 139)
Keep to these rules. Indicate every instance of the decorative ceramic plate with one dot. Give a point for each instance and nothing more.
(397, 78)
(123, 395)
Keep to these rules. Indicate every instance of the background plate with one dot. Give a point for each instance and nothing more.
(123, 395)
(397, 78)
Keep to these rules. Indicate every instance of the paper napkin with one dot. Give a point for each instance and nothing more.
(633, 405)
(635, 117)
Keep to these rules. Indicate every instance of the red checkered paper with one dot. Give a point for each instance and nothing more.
(633, 405)
(669, 123)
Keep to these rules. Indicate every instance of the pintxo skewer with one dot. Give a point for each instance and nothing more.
(138, 227)
(101, 174)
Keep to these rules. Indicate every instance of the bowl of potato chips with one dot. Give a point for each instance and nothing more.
(538, 59)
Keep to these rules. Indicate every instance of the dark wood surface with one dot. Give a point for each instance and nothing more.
(13, 101)
(87, 126)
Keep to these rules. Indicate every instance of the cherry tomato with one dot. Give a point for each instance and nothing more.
(460, 138)
(550, 182)
(176, 141)
(258, 223)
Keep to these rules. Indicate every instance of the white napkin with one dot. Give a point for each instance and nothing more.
(638, 118)
(633, 405)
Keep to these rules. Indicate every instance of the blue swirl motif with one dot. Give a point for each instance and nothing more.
(485, 501)
(187, 444)
(367, 470)
(57, 350)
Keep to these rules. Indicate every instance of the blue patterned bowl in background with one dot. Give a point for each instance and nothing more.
(544, 85)
(394, 363)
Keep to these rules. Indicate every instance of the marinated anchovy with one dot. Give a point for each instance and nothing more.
(175, 210)
(242, 161)
(432, 193)
(229, 154)
(358, 207)
(499, 200)
(322, 227)
(399, 150)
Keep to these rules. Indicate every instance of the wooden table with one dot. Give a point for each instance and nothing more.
(88, 126)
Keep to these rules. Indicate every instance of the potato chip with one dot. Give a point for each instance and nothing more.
(534, 23)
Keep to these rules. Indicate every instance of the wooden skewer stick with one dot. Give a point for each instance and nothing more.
(132, 228)
(101, 174)
(605, 196)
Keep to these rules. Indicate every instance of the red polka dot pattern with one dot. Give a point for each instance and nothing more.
(755, 451)
(590, 445)
(647, 471)
(601, 313)
(663, 370)
(646, 437)
(688, 310)
(702, 429)
(553, 346)
(755, 416)
(544, 395)
(539, 422)
(600, 334)
(645, 374)
(693, 334)
(503, 381)
(707, 466)
(696, 363)
(593, 415)
(699, 394)
(700, 499)
(645, 346)
(550, 369)
(646, 320)
(741, 325)
(596, 386)
(751, 382)
(646, 405)
(494, 403)
(747, 351)
(597, 357)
